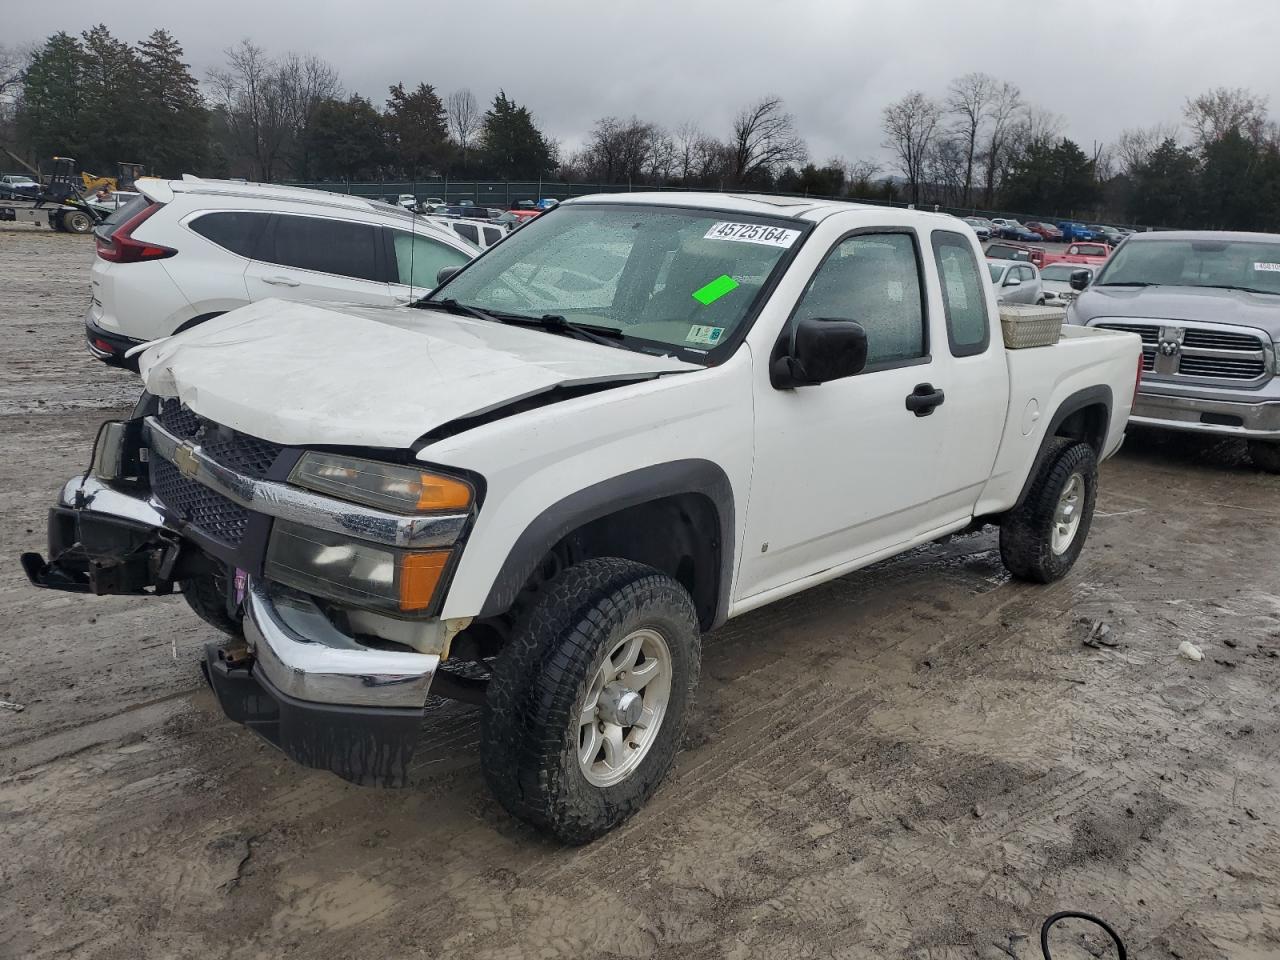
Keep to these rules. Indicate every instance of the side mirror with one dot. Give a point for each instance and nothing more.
(444, 273)
(821, 350)
(1079, 279)
(1013, 282)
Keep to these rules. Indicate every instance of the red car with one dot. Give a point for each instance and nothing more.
(1092, 254)
(524, 210)
(1047, 231)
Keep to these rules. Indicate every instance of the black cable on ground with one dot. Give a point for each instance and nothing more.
(1076, 915)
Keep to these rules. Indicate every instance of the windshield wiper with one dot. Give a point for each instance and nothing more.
(1231, 286)
(551, 322)
(1128, 283)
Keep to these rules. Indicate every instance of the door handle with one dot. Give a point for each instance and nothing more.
(280, 281)
(924, 398)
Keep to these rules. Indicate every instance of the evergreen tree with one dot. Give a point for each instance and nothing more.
(113, 114)
(513, 146)
(1165, 188)
(347, 138)
(175, 119)
(51, 106)
(417, 130)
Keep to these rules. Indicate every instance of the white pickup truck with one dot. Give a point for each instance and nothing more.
(635, 418)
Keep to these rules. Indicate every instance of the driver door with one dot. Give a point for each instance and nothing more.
(844, 470)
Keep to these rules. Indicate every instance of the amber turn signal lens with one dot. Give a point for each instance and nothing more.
(419, 575)
(442, 493)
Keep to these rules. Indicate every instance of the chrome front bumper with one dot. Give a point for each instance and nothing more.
(1260, 421)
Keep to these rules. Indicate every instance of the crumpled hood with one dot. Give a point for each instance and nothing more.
(303, 373)
(1182, 303)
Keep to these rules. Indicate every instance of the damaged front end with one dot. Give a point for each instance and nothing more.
(173, 500)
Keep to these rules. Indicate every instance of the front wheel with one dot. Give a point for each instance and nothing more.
(1041, 538)
(1265, 455)
(77, 221)
(587, 705)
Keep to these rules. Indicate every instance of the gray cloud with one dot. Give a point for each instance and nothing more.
(1103, 64)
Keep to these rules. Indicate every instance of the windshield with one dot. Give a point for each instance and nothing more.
(1063, 271)
(997, 271)
(1237, 264)
(665, 277)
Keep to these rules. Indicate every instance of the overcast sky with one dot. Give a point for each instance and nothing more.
(1103, 64)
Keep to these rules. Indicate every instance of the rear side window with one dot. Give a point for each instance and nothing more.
(419, 258)
(964, 294)
(327, 246)
(232, 230)
(875, 280)
(122, 215)
(491, 236)
(468, 232)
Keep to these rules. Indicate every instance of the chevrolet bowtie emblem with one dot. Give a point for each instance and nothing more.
(184, 458)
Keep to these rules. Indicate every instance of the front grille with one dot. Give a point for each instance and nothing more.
(1221, 340)
(1221, 368)
(1149, 333)
(1180, 349)
(210, 512)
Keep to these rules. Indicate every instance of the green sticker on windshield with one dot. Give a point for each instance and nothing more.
(716, 289)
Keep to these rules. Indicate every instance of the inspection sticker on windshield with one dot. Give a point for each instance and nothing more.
(708, 335)
(752, 233)
(1267, 267)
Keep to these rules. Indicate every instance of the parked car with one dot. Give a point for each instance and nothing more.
(1112, 235)
(1013, 230)
(1207, 307)
(1073, 231)
(980, 226)
(524, 209)
(479, 233)
(548, 203)
(1094, 254)
(537, 490)
(16, 186)
(1016, 281)
(1045, 231)
(184, 251)
(408, 201)
(1056, 278)
(1008, 250)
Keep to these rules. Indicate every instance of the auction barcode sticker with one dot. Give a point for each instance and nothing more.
(752, 233)
(1267, 267)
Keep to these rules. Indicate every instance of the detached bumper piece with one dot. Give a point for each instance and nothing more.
(370, 746)
(327, 701)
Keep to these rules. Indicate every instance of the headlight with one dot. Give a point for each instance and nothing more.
(354, 571)
(386, 486)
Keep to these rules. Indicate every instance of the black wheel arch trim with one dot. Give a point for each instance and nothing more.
(1080, 400)
(647, 484)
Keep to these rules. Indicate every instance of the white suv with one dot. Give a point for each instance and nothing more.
(184, 251)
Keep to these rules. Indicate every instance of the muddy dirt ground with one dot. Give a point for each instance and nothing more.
(920, 760)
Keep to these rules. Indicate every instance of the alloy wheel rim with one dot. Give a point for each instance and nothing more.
(625, 704)
(1066, 516)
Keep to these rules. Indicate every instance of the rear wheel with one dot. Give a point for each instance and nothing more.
(587, 705)
(76, 221)
(1265, 455)
(1041, 539)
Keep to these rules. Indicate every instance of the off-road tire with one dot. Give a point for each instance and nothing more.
(206, 595)
(1026, 533)
(76, 221)
(528, 737)
(1265, 456)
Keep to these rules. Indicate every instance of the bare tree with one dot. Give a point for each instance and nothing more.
(968, 100)
(619, 150)
(304, 82)
(464, 118)
(910, 126)
(687, 138)
(248, 92)
(1217, 112)
(1134, 147)
(1004, 111)
(764, 141)
(13, 64)
(664, 158)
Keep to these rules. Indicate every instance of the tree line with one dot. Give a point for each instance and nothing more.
(980, 145)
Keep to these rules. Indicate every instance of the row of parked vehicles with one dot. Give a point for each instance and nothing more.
(531, 478)
(1033, 231)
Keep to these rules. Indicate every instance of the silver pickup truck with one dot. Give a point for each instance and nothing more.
(1207, 307)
